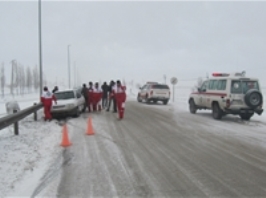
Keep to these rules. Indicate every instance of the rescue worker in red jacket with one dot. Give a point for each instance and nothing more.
(119, 92)
(47, 99)
(97, 97)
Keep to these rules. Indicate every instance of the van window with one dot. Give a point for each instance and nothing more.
(217, 85)
(204, 85)
(212, 84)
(241, 87)
(221, 85)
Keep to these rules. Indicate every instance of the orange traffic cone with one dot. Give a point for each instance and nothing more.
(65, 140)
(90, 128)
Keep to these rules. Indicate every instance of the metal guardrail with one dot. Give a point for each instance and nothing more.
(17, 116)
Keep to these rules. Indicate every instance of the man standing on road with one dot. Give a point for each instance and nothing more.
(119, 92)
(84, 92)
(90, 96)
(111, 97)
(105, 94)
(47, 99)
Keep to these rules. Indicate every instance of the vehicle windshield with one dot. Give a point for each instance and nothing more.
(241, 87)
(64, 95)
(160, 87)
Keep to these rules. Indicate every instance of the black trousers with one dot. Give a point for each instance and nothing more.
(112, 100)
(85, 105)
(104, 102)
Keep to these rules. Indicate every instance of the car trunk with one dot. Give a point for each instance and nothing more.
(160, 91)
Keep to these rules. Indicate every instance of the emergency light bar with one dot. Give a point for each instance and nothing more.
(220, 74)
(242, 74)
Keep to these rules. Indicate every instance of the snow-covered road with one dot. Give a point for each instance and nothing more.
(156, 150)
(161, 151)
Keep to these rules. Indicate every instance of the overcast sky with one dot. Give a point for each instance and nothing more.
(136, 40)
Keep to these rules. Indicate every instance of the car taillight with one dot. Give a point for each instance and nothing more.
(228, 103)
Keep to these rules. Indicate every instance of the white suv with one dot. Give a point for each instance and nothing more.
(154, 92)
(228, 94)
(69, 102)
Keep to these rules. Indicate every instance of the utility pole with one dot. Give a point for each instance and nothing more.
(164, 79)
(68, 67)
(40, 48)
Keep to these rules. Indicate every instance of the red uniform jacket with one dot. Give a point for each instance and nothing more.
(47, 98)
(119, 93)
(97, 95)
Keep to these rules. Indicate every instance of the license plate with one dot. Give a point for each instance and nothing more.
(237, 102)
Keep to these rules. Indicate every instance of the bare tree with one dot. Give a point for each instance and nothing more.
(22, 81)
(3, 80)
(36, 82)
(13, 65)
(18, 79)
(28, 79)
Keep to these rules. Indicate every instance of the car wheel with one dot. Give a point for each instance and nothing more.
(192, 107)
(217, 112)
(246, 116)
(147, 100)
(165, 102)
(77, 112)
(253, 98)
(139, 99)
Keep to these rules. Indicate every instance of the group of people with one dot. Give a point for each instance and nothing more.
(98, 98)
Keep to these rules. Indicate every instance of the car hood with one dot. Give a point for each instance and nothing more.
(65, 102)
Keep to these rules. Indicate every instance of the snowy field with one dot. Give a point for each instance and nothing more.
(25, 158)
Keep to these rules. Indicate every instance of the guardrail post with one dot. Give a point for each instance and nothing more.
(15, 124)
(35, 114)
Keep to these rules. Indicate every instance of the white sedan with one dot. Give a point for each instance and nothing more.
(69, 102)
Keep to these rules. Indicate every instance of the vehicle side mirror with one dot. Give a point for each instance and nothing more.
(199, 90)
(203, 90)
